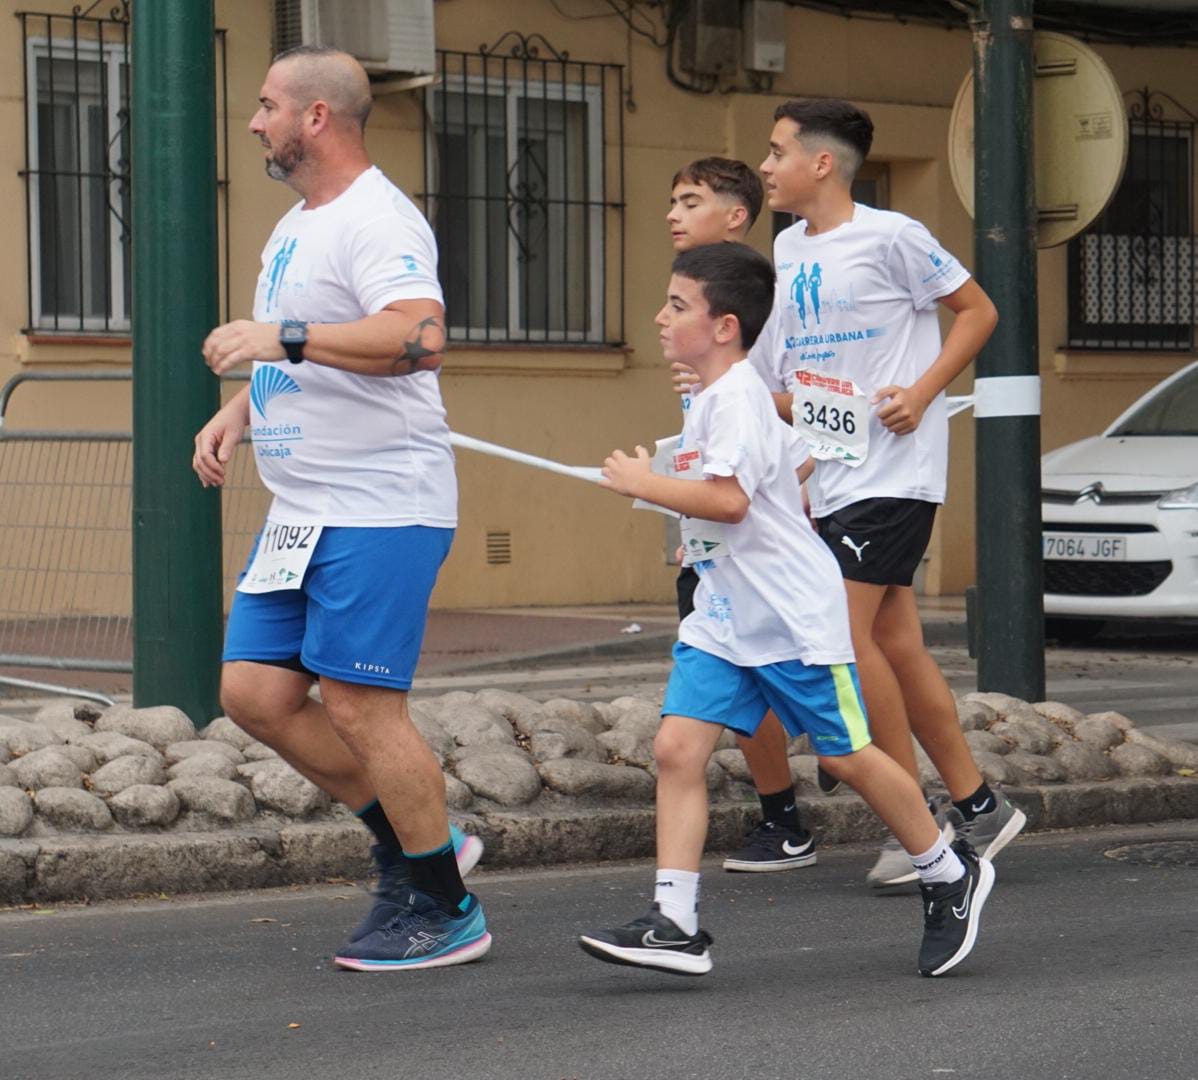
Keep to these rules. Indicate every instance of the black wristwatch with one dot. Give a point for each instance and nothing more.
(293, 336)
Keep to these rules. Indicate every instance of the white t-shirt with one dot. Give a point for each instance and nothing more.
(337, 448)
(779, 595)
(859, 302)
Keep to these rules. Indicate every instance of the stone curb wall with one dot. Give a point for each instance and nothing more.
(96, 867)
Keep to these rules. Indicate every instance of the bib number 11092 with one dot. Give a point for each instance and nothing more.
(281, 558)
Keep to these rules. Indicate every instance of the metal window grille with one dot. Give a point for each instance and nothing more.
(524, 186)
(1132, 274)
(77, 180)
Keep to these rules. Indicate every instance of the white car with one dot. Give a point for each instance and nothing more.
(1121, 517)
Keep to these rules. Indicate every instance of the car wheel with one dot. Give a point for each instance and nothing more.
(1073, 631)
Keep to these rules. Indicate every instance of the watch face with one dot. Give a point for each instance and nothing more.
(293, 335)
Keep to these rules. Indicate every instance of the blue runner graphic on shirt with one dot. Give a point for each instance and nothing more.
(268, 383)
(278, 268)
(806, 285)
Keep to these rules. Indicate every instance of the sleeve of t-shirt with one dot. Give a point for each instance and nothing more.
(392, 259)
(922, 268)
(766, 353)
(731, 442)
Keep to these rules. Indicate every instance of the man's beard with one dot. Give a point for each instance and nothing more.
(285, 157)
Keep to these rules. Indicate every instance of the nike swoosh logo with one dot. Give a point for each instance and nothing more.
(793, 849)
(788, 809)
(980, 809)
(652, 942)
(962, 912)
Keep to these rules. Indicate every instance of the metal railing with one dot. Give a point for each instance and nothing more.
(66, 539)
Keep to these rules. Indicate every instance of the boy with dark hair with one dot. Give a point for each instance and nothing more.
(715, 200)
(770, 627)
(854, 357)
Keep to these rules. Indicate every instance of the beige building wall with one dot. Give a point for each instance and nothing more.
(572, 542)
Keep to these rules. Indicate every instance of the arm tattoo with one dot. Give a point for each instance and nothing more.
(426, 341)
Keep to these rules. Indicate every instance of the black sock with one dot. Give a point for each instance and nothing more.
(375, 820)
(781, 809)
(436, 873)
(979, 802)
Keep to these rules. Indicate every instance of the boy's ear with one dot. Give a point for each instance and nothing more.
(737, 217)
(727, 329)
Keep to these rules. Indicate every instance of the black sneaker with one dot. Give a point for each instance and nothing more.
(769, 847)
(652, 941)
(951, 913)
(828, 783)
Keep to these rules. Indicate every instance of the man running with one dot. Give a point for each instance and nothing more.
(350, 436)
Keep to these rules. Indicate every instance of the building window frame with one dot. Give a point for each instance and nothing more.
(1133, 274)
(556, 197)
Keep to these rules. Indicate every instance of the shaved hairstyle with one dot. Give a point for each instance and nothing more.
(834, 125)
(322, 73)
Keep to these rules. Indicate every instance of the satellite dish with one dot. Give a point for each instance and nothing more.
(1081, 137)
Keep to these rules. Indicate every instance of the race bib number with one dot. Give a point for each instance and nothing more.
(832, 416)
(702, 540)
(283, 554)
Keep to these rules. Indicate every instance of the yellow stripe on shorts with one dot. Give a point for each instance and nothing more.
(849, 702)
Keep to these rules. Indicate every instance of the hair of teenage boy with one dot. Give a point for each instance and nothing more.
(736, 280)
(737, 188)
(838, 127)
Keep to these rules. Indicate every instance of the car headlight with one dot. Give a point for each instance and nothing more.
(1183, 499)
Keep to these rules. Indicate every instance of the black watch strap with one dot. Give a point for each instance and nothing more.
(293, 336)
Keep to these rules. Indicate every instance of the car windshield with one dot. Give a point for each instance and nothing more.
(1171, 412)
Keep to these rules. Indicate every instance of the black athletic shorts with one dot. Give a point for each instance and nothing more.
(688, 581)
(879, 541)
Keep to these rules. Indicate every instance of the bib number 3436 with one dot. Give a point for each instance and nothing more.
(281, 558)
(832, 415)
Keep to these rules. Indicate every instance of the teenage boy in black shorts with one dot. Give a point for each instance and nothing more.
(854, 357)
(716, 200)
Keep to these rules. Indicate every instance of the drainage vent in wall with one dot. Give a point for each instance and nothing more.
(499, 548)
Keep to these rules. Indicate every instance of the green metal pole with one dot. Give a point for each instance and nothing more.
(1010, 593)
(176, 523)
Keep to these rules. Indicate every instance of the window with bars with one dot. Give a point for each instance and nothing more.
(1132, 280)
(524, 188)
(77, 147)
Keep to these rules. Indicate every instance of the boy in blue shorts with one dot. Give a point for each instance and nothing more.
(770, 627)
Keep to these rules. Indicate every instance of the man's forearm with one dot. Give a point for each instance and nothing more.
(386, 344)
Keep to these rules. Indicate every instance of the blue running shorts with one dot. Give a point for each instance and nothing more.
(361, 612)
(821, 700)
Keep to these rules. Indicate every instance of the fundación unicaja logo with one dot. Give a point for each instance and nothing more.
(267, 384)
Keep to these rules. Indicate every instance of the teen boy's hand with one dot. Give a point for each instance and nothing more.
(684, 378)
(624, 474)
(903, 413)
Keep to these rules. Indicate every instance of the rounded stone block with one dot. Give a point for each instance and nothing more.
(203, 765)
(505, 779)
(1097, 732)
(580, 713)
(144, 806)
(575, 743)
(47, 768)
(975, 715)
(16, 811)
(1132, 759)
(987, 742)
(1082, 763)
(1022, 736)
(129, 770)
(457, 795)
(1036, 768)
(221, 801)
(176, 752)
(1059, 713)
(471, 725)
(73, 810)
(18, 737)
(223, 730)
(282, 789)
(573, 776)
(160, 725)
(110, 745)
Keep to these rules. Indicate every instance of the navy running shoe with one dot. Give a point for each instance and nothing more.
(394, 879)
(420, 934)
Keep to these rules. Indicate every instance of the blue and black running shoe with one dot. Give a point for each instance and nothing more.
(420, 934)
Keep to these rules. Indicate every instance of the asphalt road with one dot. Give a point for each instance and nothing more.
(1085, 970)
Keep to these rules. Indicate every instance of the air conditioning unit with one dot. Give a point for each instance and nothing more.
(387, 36)
(710, 40)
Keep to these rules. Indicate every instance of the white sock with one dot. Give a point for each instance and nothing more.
(938, 865)
(677, 894)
